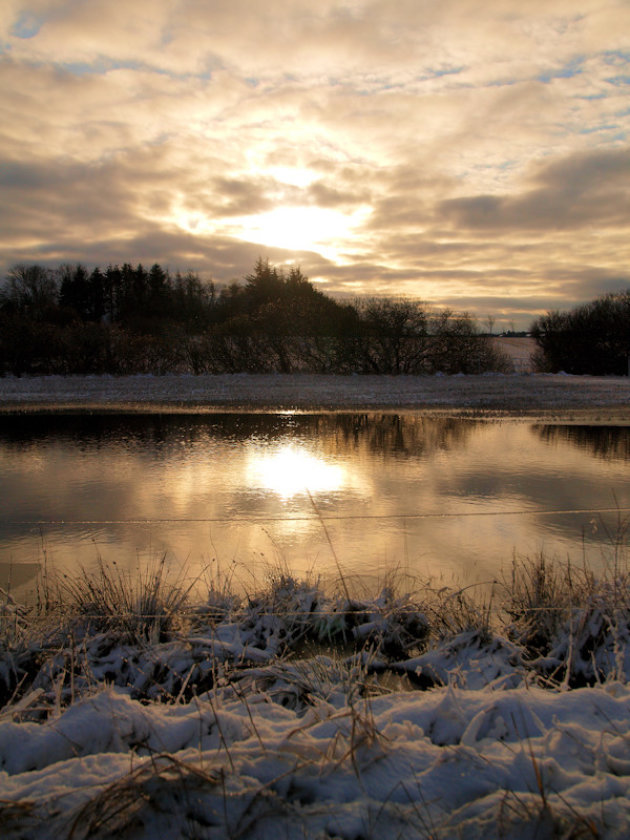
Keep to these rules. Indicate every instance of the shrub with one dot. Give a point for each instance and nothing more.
(590, 339)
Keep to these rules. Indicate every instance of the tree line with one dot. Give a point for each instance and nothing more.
(592, 339)
(127, 320)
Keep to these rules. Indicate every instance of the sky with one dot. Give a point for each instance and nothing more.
(472, 155)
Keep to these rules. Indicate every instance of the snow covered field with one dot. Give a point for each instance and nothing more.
(519, 394)
(525, 763)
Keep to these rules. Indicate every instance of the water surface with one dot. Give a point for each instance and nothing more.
(241, 495)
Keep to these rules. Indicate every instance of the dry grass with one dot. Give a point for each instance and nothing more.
(144, 607)
(565, 625)
(573, 626)
(146, 790)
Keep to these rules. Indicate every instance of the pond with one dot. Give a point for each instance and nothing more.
(240, 496)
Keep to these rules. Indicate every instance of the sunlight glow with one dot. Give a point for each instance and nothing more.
(302, 228)
(291, 470)
(183, 217)
(194, 223)
(292, 175)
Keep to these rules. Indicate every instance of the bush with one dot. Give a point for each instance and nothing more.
(591, 339)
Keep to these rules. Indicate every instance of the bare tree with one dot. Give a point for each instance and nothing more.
(30, 290)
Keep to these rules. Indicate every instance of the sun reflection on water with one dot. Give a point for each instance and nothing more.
(292, 470)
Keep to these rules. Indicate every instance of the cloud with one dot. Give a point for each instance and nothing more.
(582, 190)
(476, 153)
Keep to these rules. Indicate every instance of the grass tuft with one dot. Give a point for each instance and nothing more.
(141, 608)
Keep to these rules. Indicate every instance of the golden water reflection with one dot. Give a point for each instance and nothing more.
(441, 498)
(292, 469)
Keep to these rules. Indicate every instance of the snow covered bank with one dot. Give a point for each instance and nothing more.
(422, 720)
(440, 764)
(520, 394)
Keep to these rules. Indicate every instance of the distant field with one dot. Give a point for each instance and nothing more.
(515, 393)
(519, 350)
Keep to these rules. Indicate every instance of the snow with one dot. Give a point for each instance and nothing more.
(310, 745)
(522, 394)
(466, 763)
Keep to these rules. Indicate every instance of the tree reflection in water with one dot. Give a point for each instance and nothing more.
(609, 442)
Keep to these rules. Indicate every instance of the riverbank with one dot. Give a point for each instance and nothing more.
(294, 714)
(574, 397)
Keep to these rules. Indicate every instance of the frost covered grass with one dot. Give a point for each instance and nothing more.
(131, 709)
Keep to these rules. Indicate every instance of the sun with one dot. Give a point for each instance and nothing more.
(300, 228)
(294, 228)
